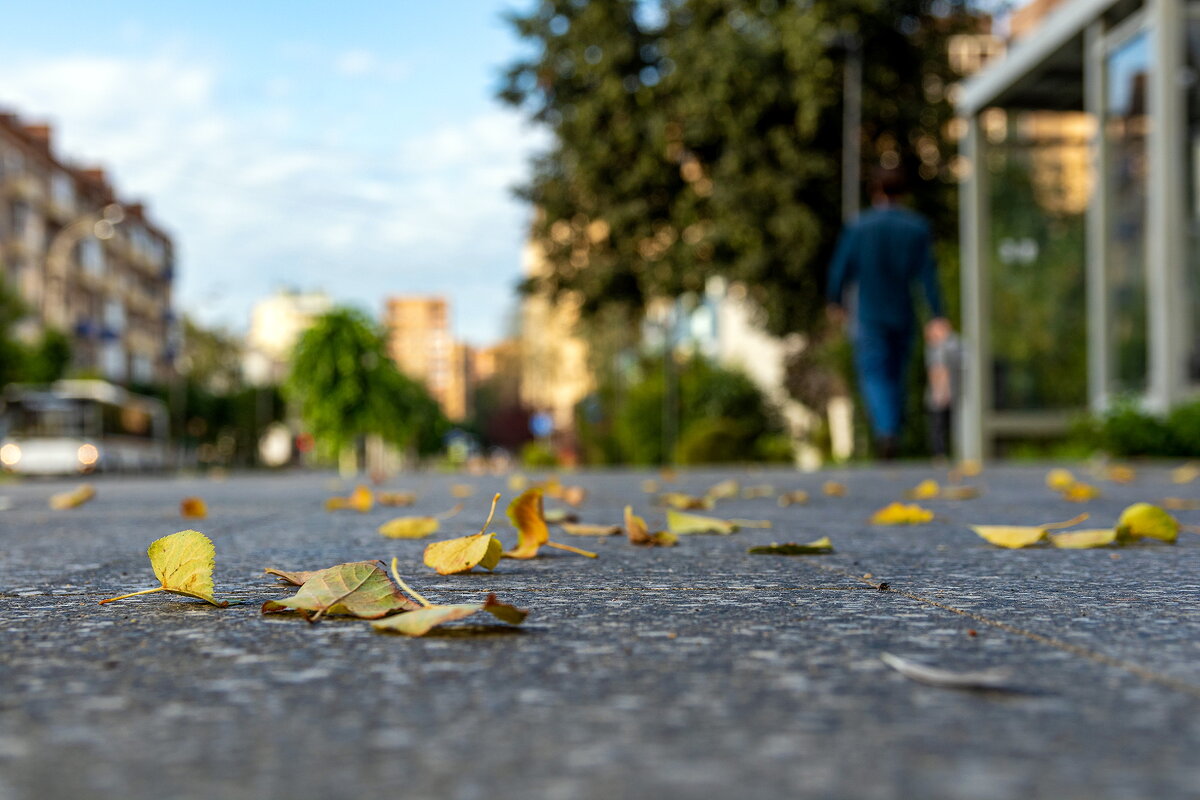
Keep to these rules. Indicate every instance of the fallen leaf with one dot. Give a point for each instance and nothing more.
(1186, 473)
(815, 548)
(639, 534)
(429, 615)
(463, 554)
(958, 493)
(583, 529)
(299, 577)
(462, 490)
(834, 489)
(362, 499)
(193, 508)
(668, 475)
(410, 527)
(752, 523)
(683, 524)
(183, 563)
(1146, 521)
(925, 490)
(724, 490)
(1119, 473)
(1014, 537)
(970, 467)
(685, 501)
(574, 495)
(1080, 493)
(797, 497)
(1084, 539)
(945, 679)
(901, 514)
(649, 486)
(755, 492)
(358, 589)
(1059, 480)
(395, 498)
(526, 515)
(559, 516)
(517, 482)
(74, 498)
(1180, 504)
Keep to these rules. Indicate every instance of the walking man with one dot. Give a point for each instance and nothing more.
(879, 260)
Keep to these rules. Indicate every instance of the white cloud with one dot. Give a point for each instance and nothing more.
(365, 64)
(252, 208)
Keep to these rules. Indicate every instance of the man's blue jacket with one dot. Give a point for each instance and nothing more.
(885, 251)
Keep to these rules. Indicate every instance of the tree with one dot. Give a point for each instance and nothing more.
(700, 137)
(43, 361)
(346, 387)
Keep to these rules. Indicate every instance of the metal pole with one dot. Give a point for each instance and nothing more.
(670, 389)
(852, 128)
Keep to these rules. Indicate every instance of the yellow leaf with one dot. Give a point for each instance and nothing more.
(639, 533)
(685, 501)
(1059, 480)
(755, 492)
(1180, 504)
(464, 553)
(970, 467)
(958, 493)
(1084, 539)
(1119, 473)
(525, 514)
(559, 516)
(818, 547)
(421, 621)
(797, 497)
(395, 498)
(362, 499)
(834, 489)
(1146, 521)
(462, 490)
(409, 527)
(901, 514)
(1015, 537)
(682, 524)
(517, 482)
(299, 577)
(358, 589)
(74, 498)
(925, 490)
(751, 523)
(583, 529)
(193, 508)
(1186, 473)
(574, 495)
(1080, 493)
(649, 486)
(183, 564)
(724, 490)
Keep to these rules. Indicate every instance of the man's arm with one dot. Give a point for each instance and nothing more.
(927, 275)
(841, 269)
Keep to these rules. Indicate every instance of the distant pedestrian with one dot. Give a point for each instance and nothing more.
(879, 258)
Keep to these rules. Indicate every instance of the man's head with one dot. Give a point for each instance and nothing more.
(888, 184)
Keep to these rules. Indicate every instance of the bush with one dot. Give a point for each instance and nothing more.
(538, 455)
(714, 441)
(1127, 430)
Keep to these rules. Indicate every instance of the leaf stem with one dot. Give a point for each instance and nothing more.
(1055, 525)
(134, 594)
(492, 513)
(571, 549)
(411, 591)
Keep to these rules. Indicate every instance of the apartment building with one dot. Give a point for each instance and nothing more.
(276, 324)
(84, 261)
(420, 341)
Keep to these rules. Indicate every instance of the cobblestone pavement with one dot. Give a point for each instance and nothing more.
(695, 671)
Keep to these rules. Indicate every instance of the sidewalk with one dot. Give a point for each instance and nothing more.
(689, 672)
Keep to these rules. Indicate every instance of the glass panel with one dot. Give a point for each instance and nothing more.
(1191, 303)
(1041, 179)
(1126, 127)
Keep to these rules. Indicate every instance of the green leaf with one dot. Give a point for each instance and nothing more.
(682, 523)
(815, 548)
(358, 589)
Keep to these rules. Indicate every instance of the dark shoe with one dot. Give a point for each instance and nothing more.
(887, 448)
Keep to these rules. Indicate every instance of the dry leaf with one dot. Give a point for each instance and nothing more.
(752, 523)
(462, 490)
(410, 527)
(819, 547)
(639, 533)
(1059, 480)
(724, 490)
(464, 553)
(755, 492)
(925, 490)
(834, 489)
(1180, 504)
(582, 529)
(517, 482)
(1080, 493)
(526, 515)
(358, 589)
(797, 497)
(559, 516)
(1084, 539)
(958, 493)
(901, 514)
(1186, 473)
(649, 486)
(683, 524)
(1014, 537)
(1119, 473)
(429, 615)
(298, 577)
(685, 502)
(574, 495)
(1146, 521)
(183, 563)
(362, 499)
(395, 498)
(193, 508)
(945, 679)
(74, 498)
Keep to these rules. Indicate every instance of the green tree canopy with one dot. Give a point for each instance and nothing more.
(699, 137)
(345, 386)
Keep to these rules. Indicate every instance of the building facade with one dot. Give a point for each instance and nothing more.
(420, 341)
(276, 324)
(83, 261)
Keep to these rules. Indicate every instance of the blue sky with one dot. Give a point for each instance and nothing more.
(354, 147)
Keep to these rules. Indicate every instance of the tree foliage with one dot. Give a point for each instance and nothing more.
(699, 137)
(345, 386)
(42, 361)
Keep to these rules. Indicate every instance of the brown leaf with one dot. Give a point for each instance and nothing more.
(358, 589)
(74, 498)
(584, 529)
(193, 508)
(639, 533)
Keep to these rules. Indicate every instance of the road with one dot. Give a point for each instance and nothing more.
(690, 672)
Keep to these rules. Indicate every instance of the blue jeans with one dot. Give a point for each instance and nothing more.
(881, 359)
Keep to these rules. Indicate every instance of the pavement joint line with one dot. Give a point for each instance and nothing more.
(1148, 675)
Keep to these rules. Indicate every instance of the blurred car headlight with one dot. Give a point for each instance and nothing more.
(88, 454)
(10, 454)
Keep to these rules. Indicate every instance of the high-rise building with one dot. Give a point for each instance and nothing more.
(420, 342)
(83, 261)
(276, 324)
